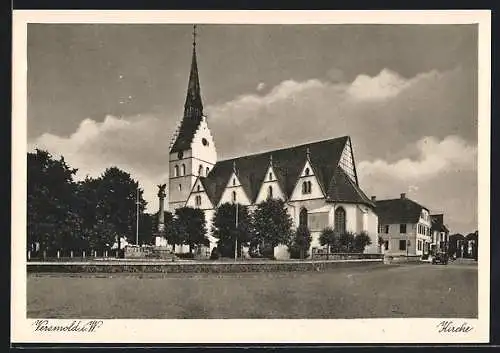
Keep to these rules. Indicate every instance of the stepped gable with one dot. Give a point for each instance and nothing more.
(288, 164)
(402, 210)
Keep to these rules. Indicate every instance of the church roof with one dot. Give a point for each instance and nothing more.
(402, 210)
(288, 163)
(193, 110)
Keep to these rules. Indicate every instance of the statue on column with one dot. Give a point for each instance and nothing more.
(161, 212)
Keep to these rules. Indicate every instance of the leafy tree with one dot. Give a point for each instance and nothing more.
(300, 244)
(52, 213)
(360, 242)
(272, 226)
(146, 228)
(225, 230)
(191, 226)
(346, 242)
(330, 238)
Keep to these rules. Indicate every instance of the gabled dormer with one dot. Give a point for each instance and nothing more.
(270, 187)
(307, 186)
(234, 191)
(198, 197)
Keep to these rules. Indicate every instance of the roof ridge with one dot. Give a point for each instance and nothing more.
(282, 149)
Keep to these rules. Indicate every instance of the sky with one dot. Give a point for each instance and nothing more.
(112, 95)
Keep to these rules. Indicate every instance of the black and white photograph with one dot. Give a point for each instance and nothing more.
(245, 176)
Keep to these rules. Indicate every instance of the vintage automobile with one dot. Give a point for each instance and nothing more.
(440, 258)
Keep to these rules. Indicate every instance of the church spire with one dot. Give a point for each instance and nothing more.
(193, 106)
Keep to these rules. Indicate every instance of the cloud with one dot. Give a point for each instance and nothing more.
(386, 116)
(261, 86)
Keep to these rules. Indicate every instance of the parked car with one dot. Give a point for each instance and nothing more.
(440, 258)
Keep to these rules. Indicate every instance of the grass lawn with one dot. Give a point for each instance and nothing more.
(371, 291)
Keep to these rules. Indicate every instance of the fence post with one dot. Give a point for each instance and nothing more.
(106, 253)
(58, 254)
(83, 255)
(45, 254)
(71, 254)
(29, 255)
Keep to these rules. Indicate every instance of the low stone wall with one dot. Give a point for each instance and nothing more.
(388, 259)
(193, 267)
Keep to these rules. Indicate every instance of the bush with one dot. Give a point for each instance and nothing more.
(186, 255)
(215, 255)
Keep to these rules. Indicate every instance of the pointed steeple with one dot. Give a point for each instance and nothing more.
(193, 108)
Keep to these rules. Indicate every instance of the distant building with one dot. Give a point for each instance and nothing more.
(439, 234)
(318, 181)
(404, 226)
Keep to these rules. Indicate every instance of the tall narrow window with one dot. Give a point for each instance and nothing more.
(208, 170)
(304, 187)
(176, 171)
(200, 170)
(183, 170)
(303, 217)
(234, 181)
(309, 187)
(234, 196)
(198, 188)
(306, 171)
(198, 200)
(402, 228)
(340, 220)
(386, 229)
(270, 176)
(270, 192)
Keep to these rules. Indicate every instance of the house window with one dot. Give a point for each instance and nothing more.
(234, 196)
(340, 220)
(402, 228)
(303, 217)
(208, 170)
(306, 187)
(419, 245)
(270, 192)
(200, 170)
(387, 229)
(386, 245)
(270, 176)
(183, 169)
(176, 171)
(306, 172)
(198, 200)
(402, 245)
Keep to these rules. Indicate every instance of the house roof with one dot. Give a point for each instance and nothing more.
(402, 210)
(287, 163)
(437, 223)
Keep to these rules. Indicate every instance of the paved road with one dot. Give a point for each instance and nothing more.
(370, 291)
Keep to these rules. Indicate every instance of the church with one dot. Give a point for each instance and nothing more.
(318, 180)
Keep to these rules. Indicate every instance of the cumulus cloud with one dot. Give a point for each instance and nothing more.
(386, 116)
(261, 86)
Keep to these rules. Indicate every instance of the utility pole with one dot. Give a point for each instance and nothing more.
(236, 235)
(137, 218)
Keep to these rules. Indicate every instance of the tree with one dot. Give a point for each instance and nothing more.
(225, 230)
(301, 242)
(191, 226)
(330, 238)
(360, 242)
(53, 221)
(272, 226)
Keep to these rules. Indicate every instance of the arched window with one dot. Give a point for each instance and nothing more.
(270, 176)
(270, 192)
(234, 196)
(307, 171)
(304, 187)
(208, 170)
(303, 217)
(176, 171)
(198, 200)
(340, 220)
(183, 169)
(309, 187)
(198, 188)
(234, 181)
(200, 170)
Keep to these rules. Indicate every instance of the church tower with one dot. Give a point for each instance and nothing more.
(192, 150)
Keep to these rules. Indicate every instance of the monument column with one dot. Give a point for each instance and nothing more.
(160, 235)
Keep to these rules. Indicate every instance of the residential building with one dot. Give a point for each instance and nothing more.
(439, 234)
(404, 226)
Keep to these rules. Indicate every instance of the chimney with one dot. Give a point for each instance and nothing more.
(403, 195)
(374, 198)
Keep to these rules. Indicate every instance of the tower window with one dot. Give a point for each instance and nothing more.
(183, 169)
(270, 192)
(306, 187)
(197, 200)
(204, 142)
(198, 188)
(340, 220)
(234, 181)
(176, 171)
(180, 155)
(270, 176)
(234, 196)
(306, 172)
